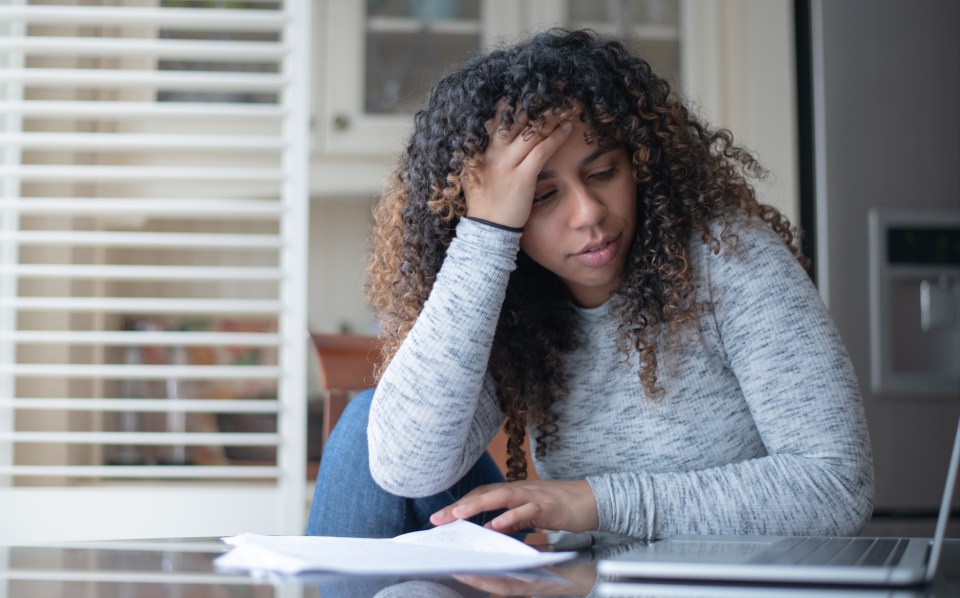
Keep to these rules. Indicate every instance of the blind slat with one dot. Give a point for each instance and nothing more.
(141, 173)
(236, 20)
(121, 141)
(126, 110)
(146, 405)
(167, 48)
(137, 338)
(145, 438)
(143, 305)
(132, 372)
(170, 207)
(145, 471)
(185, 273)
(157, 240)
(207, 81)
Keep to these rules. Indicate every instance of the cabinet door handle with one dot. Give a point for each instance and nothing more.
(341, 122)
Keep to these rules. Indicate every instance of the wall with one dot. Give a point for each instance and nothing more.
(739, 73)
(890, 138)
(339, 238)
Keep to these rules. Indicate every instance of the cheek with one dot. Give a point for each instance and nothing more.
(628, 200)
(535, 241)
(528, 244)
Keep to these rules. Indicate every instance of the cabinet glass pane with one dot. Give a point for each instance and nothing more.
(428, 9)
(409, 44)
(655, 12)
(663, 56)
(652, 28)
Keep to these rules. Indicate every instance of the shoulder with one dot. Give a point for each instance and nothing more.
(742, 246)
(747, 268)
(734, 231)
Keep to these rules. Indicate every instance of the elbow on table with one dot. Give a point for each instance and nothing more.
(853, 516)
(848, 509)
(860, 500)
(830, 514)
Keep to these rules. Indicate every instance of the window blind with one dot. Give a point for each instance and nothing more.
(153, 267)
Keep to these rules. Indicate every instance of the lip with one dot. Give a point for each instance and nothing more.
(598, 253)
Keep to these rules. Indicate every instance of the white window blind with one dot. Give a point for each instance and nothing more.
(153, 220)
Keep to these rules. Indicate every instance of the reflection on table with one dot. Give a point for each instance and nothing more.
(184, 568)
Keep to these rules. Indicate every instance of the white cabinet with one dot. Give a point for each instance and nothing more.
(375, 61)
(381, 56)
(651, 27)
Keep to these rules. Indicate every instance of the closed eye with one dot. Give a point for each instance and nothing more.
(604, 174)
(544, 197)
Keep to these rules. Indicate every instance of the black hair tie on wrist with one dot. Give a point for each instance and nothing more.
(512, 229)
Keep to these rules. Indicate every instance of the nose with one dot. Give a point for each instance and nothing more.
(586, 210)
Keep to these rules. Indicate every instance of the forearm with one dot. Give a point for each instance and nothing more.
(782, 494)
(435, 409)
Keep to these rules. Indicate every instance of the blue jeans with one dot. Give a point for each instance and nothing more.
(348, 503)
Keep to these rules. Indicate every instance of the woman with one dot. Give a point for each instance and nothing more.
(565, 248)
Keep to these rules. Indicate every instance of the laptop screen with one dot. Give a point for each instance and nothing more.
(941, 530)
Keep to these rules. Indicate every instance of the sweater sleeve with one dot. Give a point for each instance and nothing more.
(780, 344)
(435, 410)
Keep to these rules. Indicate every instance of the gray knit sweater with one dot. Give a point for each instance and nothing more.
(760, 428)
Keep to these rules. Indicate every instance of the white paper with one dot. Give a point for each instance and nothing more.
(458, 547)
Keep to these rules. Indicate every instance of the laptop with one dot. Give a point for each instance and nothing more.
(786, 559)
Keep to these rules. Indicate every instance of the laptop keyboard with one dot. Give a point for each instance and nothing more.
(866, 552)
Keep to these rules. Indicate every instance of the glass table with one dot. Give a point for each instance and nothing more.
(184, 568)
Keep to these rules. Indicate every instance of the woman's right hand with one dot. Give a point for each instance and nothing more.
(501, 187)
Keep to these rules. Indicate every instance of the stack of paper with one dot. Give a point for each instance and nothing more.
(458, 547)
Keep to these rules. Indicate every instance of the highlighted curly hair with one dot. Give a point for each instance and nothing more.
(688, 176)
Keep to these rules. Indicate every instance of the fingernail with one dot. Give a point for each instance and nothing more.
(566, 125)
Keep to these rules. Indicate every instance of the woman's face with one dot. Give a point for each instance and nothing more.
(583, 218)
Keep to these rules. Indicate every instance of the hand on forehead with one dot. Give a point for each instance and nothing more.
(510, 121)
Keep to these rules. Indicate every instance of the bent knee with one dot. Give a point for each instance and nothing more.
(355, 416)
(358, 406)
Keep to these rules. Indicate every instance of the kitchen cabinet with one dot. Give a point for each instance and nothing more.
(376, 60)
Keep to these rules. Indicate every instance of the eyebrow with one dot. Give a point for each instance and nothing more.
(546, 174)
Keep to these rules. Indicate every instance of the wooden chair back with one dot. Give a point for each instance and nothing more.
(347, 363)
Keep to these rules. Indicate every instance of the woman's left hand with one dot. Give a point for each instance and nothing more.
(567, 505)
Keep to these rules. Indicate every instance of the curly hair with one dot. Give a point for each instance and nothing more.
(688, 177)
